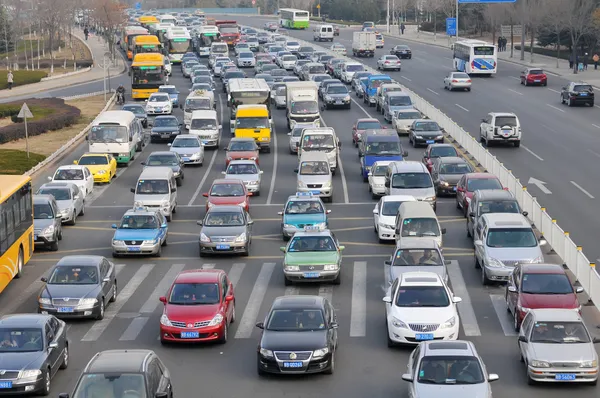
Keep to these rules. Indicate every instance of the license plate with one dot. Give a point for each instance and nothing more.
(454, 188)
(292, 364)
(315, 192)
(5, 384)
(165, 135)
(584, 94)
(223, 247)
(190, 335)
(424, 336)
(186, 159)
(133, 249)
(430, 141)
(565, 376)
(311, 274)
(483, 67)
(537, 81)
(338, 102)
(65, 309)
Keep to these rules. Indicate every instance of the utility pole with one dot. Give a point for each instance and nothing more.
(456, 20)
(388, 16)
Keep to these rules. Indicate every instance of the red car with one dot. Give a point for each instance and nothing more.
(534, 286)
(438, 151)
(228, 192)
(363, 125)
(241, 149)
(534, 76)
(199, 307)
(471, 182)
(330, 65)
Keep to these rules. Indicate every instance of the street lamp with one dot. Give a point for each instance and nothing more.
(105, 65)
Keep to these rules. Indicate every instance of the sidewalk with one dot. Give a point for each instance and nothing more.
(97, 46)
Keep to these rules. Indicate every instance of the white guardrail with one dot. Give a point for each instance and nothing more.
(571, 254)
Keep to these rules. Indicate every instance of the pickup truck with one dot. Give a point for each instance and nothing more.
(370, 86)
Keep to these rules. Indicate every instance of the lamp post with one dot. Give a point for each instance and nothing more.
(105, 65)
(388, 16)
(456, 20)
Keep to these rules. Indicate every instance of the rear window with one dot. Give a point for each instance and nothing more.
(582, 88)
(502, 121)
(536, 72)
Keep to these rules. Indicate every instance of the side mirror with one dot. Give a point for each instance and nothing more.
(163, 299)
(114, 226)
(375, 211)
(199, 222)
(106, 280)
(289, 134)
(44, 279)
(482, 120)
(75, 162)
(387, 184)
(478, 242)
(53, 344)
(443, 231)
(261, 172)
(523, 339)
(512, 288)
(63, 395)
(578, 289)
(150, 124)
(405, 154)
(387, 299)
(456, 300)
(323, 107)
(327, 211)
(280, 213)
(223, 172)
(543, 242)
(132, 190)
(260, 325)
(342, 248)
(387, 262)
(205, 194)
(407, 377)
(164, 225)
(493, 377)
(180, 124)
(229, 298)
(472, 214)
(595, 340)
(295, 170)
(333, 325)
(49, 178)
(282, 249)
(564, 88)
(249, 194)
(525, 213)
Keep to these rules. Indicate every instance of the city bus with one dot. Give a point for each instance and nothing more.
(147, 20)
(475, 57)
(248, 92)
(168, 19)
(147, 74)
(146, 44)
(178, 42)
(160, 30)
(127, 40)
(16, 226)
(294, 19)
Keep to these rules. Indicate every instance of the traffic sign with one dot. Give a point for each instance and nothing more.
(24, 112)
(517, 30)
(138, 5)
(487, 1)
(451, 26)
(318, 6)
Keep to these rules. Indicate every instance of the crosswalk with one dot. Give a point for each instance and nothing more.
(358, 300)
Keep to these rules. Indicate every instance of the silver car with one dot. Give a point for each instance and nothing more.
(247, 171)
(167, 159)
(457, 80)
(298, 66)
(337, 95)
(280, 97)
(189, 147)
(389, 62)
(68, 198)
(419, 255)
(47, 222)
(295, 135)
(314, 175)
(225, 229)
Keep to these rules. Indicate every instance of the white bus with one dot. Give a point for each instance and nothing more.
(119, 133)
(475, 57)
(178, 42)
(167, 19)
(294, 19)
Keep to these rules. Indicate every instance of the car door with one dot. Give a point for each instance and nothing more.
(105, 280)
(60, 337)
(331, 319)
(53, 353)
(460, 191)
(435, 171)
(525, 331)
(77, 198)
(226, 305)
(162, 221)
(514, 281)
(164, 384)
(89, 181)
(486, 123)
(391, 293)
(482, 231)
(249, 224)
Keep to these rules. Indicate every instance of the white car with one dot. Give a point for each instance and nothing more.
(241, 47)
(245, 59)
(389, 62)
(292, 46)
(298, 66)
(204, 52)
(384, 214)
(457, 80)
(159, 104)
(78, 175)
(288, 62)
(377, 178)
(419, 306)
(338, 49)
(348, 71)
(403, 120)
(280, 56)
(247, 171)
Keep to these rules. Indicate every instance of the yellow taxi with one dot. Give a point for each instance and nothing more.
(102, 165)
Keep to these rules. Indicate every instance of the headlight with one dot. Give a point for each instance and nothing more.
(117, 242)
(243, 204)
(540, 364)
(87, 303)
(101, 172)
(204, 238)
(398, 323)
(165, 321)
(320, 353)
(320, 225)
(523, 309)
(48, 230)
(327, 98)
(301, 184)
(292, 268)
(252, 182)
(210, 204)
(25, 374)
(444, 183)
(165, 204)
(589, 364)
(449, 323)
(347, 98)
(537, 260)
(439, 137)
(196, 155)
(266, 353)
(66, 211)
(327, 184)
(493, 262)
(216, 320)
(149, 242)
(429, 199)
(124, 154)
(45, 301)
(288, 226)
(330, 267)
(241, 238)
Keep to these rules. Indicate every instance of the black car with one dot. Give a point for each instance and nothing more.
(299, 335)
(446, 172)
(139, 111)
(79, 287)
(138, 373)
(577, 93)
(401, 51)
(232, 74)
(165, 128)
(32, 349)
(425, 132)
(305, 52)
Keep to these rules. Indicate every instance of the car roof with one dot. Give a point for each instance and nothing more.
(481, 176)
(199, 275)
(242, 161)
(24, 320)
(42, 199)
(452, 159)
(494, 194)
(292, 198)
(300, 302)
(441, 145)
(507, 220)
(312, 156)
(95, 154)
(114, 361)
(503, 114)
(227, 181)
(84, 260)
(238, 139)
(420, 279)
(542, 269)
(449, 348)
(70, 167)
(409, 166)
(133, 105)
(57, 185)
(165, 117)
(226, 209)
(556, 315)
(397, 198)
(420, 243)
(367, 119)
(323, 233)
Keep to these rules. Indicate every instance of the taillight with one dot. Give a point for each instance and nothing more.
(387, 62)
(454, 81)
(494, 64)
(472, 64)
(469, 81)
(505, 188)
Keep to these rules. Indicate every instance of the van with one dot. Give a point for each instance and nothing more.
(415, 221)
(197, 100)
(219, 49)
(320, 139)
(377, 145)
(119, 133)
(156, 189)
(314, 175)
(253, 121)
(205, 125)
(323, 33)
(410, 178)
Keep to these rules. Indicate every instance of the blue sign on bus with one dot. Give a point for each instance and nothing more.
(451, 26)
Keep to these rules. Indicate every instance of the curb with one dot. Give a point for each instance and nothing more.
(77, 72)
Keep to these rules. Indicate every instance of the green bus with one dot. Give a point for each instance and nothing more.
(294, 19)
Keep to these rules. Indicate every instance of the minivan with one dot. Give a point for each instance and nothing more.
(314, 175)
(323, 33)
(157, 189)
(410, 178)
(320, 139)
(415, 221)
(205, 125)
(47, 222)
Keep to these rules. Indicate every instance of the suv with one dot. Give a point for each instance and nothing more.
(577, 93)
(490, 201)
(500, 127)
(139, 371)
(47, 222)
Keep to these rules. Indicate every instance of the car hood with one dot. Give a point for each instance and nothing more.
(68, 291)
(563, 352)
(186, 151)
(242, 154)
(309, 219)
(64, 204)
(223, 231)
(453, 391)
(313, 179)
(176, 168)
(21, 360)
(166, 129)
(428, 133)
(395, 270)
(451, 178)
(243, 177)
(337, 95)
(514, 253)
(136, 234)
(191, 313)
(151, 200)
(549, 300)
(418, 193)
(293, 341)
(227, 200)
(427, 315)
(41, 223)
(311, 258)
(94, 169)
(157, 104)
(380, 180)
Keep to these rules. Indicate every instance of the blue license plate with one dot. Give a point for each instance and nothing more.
(537, 81)
(430, 141)
(315, 192)
(454, 188)
(424, 336)
(34, 237)
(133, 249)
(186, 159)
(65, 309)
(565, 376)
(583, 94)
(223, 247)
(338, 102)
(190, 335)
(292, 364)
(311, 274)
(5, 384)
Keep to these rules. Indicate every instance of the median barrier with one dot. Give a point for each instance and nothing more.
(559, 240)
(77, 72)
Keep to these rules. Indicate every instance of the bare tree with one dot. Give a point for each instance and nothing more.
(578, 20)
(554, 16)
(535, 11)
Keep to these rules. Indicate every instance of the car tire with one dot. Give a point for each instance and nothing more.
(569, 103)
(286, 281)
(331, 369)
(100, 315)
(233, 314)
(65, 361)
(225, 336)
(530, 381)
(54, 245)
(338, 279)
(20, 261)
(390, 342)
(485, 281)
(159, 252)
(468, 231)
(45, 391)
(179, 182)
(516, 324)
(113, 298)
(246, 252)
(517, 144)
(73, 218)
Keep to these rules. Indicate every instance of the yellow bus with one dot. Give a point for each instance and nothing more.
(16, 226)
(147, 74)
(146, 44)
(147, 20)
(127, 38)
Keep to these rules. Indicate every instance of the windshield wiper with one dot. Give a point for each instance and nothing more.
(429, 381)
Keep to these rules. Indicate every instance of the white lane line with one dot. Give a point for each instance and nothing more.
(358, 314)
(515, 91)
(597, 106)
(595, 125)
(252, 309)
(532, 153)
(594, 153)
(465, 308)
(134, 328)
(504, 317)
(516, 78)
(341, 166)
(553, 107)
(272, 187)
(582, 190)
(554, 91)
(161, 289)
(208, 266)
(406, 78)
(291, 291)
(462, 107)
(433, 91)
(235, 273)
(100, 326)
(326, 291)
(451, 59)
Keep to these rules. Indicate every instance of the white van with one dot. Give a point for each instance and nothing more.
(205, 125)
(196, 101)
(410, 178)
(320, 139)
(119, 133)
(323, 33)
(219, 49)
(415, 221)
(157, 189)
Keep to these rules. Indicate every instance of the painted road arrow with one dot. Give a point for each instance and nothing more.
(540, 184)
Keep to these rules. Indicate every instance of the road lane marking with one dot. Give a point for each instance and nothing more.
(433, 91)
(532, 153)
(582, 190)
(358, 314)
(326, 291)
(274, 175)
(134, 329)
(341, 166)
(595, 125)
(208, 266)
(257, 296)
(499, 304)
(468, 319)
(553, 107)
(594, 153)
(597, 106)
(516, 78)
(406, 78)
(161, 289)
(554, 91)
(515, 91)
(134, 283)
(235, 273)
(462, 107)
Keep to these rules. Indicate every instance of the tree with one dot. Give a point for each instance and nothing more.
(554, 18)
(578, 18)
(108, 14)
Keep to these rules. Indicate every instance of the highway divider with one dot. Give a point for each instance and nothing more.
(559, 239)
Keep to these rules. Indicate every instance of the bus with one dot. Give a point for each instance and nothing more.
(118, 133)
(146, 44)
(248, 92)
(294, 19)
(475, 57)
(160, 30)
(127, 40)
(168, 19)
(178, 42)
(147, 74)
(230, 32)
(147, 20)
(16, 226)
(207, 35)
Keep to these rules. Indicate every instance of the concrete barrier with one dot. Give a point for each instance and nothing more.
(63, 75)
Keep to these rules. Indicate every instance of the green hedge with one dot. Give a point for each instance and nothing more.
(21, 77)
(16, 162)
(564, 54)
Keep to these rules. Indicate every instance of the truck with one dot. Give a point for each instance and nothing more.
(302, 103)
(363, 44)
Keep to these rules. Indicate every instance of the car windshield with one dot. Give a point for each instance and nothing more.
(224, 190)
(194, 294)
(280, 92)
(131, 385)
(559, 333)
(582, 88)
(264, 76)
(390, 208)
(42, 212)
(304, 207)
(246, 55)
(275, 49)
(319, 78)
(361, 75)
(202, 86)
(383, 148)
(203, 124)
(401, 47)
(314, 69)
(252, 123)
(137, 221)
(169, 159)
(426, 126)
(241, 146)
(420, 227)
(411, 181)
(295, 320)
(337, 89)
(68, 174)
(74, 275)
(508, 121)
(196, 104)
(458, 75)
(166, 122)
(318, 141)
(442, 152)
(450, 370)
(292, 43)
(201, 72)
(422, 296)
(306, 50)
(58, 193)
(375, 83)
(222, 219)
(400, 100)
(153, 187)
(186, 143)
(314, 168)
(108, 133)
(168, 90)
(278, 72)
(354, 68)
(455, 168)
(511, 237)
(546, 284)
(304, 107)
(379, 170)
(483, 183)
(499, 206)
(234, 75)
(418, 257)
(242, 168)
(137, 110)
(408, 115)
(288, 58)
(370, 125)
(17, 339)
(159, 98)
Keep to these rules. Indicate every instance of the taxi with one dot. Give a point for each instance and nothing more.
(312, 255)
(142, 231)
(102, 165)
(302, 210)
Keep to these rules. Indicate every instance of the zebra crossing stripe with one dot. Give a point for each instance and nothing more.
(468, 319)
(252, 309)
(161, 289)
(134, 329)
(235, 273)
(208, 266)
(358, 314)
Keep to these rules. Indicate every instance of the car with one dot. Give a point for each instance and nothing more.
(78, 175)
(311, 69)
(35, 347)
(139, 111)
(355, 83)
(401, 51)
(247, 171)
(278, 74)
(403, 119)
(245, 59)
(471, 182)
(102, 165)
(165, 128)
(337, 95)
(500, 127)
(173, 93)
(338, 49)
(452, 366)
(207, 85)
(231, 67)
(446, 172)
(379, 40)
(298, 66)
(288, 62)
(305, 52)
(271, 26)
(241, 47)
(227, 192)
(280, 350)
(457, 80)
(376, 178)
(533, 286)
(292, 46)
(556, 346)
(349, 70)
(78, 286)
(331, 63)
(576, 93)
(226, 229)
(141, 231)
(389, 62)
(385, 212)
(199, 71)
(302, 210)
(425, 132)
(253, 44)
(337, 69)
(142, 371)
(434, 151)
(69, 199)
(361, 126)
(316, 56)
(323, 85)
(295, 135)
(360, 87)
(159, 104)
(220, 66)
(47, 222)
(491, 201)
(242, 149)
(186, 66)
(318, 78)
(266, 77)
(421, 255)
(263, 37)
(336, 30)
(534, 76)
(394, 101)
(315, 175)
(190, 148)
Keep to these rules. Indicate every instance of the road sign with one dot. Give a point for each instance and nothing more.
(451, 26)
(138, 5)
(318, 6)
(486, 1)
(516, 29)
(24, 112)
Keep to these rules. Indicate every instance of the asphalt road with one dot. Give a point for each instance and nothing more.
(132, 322)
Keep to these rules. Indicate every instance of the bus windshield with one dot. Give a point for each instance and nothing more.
(151, 75)
(179, 46)
(108, 134)
(147, 48)
(228, 30)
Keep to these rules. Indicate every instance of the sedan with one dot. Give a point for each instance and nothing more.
(457, 80)
(241, 47)
(338, 49)
(242, 149)
(355, 83)
(246, 59)
(173, 93)
(190, 148)
(389, 62)
(165, 128)
(199, 307)
(139, 111)
(227, 192)
(361, 126)
(471, 182)
(298, 66)
(401, 51)
(102, 165)
(534, 76)
(386, 210)
(337, 95)
(79, 286)
(167, 159)
(434, 151)
(288, 62)
(78, 175)
(278, 74)
(403, 119)
(247, 171)
(446, 172)
(227, 230)
(69, 199)
(159, 104)
(425, 132)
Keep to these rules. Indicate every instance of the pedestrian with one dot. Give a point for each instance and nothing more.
(571, 61)
(596, 58)
(86, 32)
(402, 27)
(585, 61)
(9, 79)
(504, 41)
(499, 43)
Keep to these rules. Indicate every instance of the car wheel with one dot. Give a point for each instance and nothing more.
(338, 279)
(54, 245)
(477, 264)
(468, 231)
(100, 315)
(569, 102)
(484, 279)
(19, 264)
(158, 252)
(65, 359)
(562, 99)
(47, 383)
(73, 218)
(82, 212)
(516, 324)
(331, 368)
(233, 314)
(530, 381)
(179, 182)
(225, 335)
(390, 342)
(286, 281)
(115, 292)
